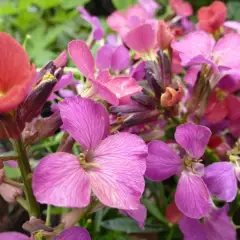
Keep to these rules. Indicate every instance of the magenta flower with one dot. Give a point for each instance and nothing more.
(216, 226)
(222, 178)
(192, 196)
(13, 236)
(198, 48)
(97, 29)
(111, 166)
(113, 58)
(114, 90)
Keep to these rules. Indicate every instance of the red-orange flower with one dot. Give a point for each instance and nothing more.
(16, 73)
(211, 18)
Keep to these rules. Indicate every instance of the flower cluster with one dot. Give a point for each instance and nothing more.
(157, 102)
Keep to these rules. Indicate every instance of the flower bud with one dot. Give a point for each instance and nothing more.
(173, 215)
(164, 35)
(171, 97)
(9, 192)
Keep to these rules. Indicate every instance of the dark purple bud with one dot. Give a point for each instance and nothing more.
(35, 224)
(66, 144)
(9, 128)
(140, 118)
(127, 109)
(48, 68)
(144, 100)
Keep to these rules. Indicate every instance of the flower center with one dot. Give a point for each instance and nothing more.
(86, 161)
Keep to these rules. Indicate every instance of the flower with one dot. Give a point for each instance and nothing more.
(111, 166)
(216, 226)
(16, 73)
(211, 18)
(192, 196)
(223, 55)
(181, 8)
(112, 89)
(98, 32)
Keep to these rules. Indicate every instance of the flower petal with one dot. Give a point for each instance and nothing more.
(221, 181)
(141, 39)
(74, 233)
(86, 121)
(162, 161)
(191, 229)
(104, 57)
(59, 180)
(193, 138)
(13, 236)
(82, 57)
(120, 58)
(203, 46)
(192, 197)
(118, 181)
(233, 101)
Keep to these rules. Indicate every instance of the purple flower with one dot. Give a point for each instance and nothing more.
(112, 166)
(198, 48)
(192, 196)
(98, 32)
(114, 58)
(216, 226)
(74, 233)
(13, 236)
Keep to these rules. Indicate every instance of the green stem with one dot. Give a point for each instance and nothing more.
(48, 217)
(170, 235)
(26, 173)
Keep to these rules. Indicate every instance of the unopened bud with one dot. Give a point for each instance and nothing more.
(171, 97)
(164, 35)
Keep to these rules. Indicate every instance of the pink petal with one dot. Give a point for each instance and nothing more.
(139, 215)
(64, 81)
(203, 46)
(191, 75)
(82, 57)
(86, 121)
(234, 128)
(227, 51)
(13, 236)
(103, 77)
(233, 25)
(123, 86)
(192, 197)
(141, 39)
(162, 161)
(59, 180)
(103, 92)
(118, 182)
(74, 233)
(104, 57)
(120, 59)
(193, 138)
(12, 163)
(61, 60)
(233, 101)
(191, 229)
(221, 181)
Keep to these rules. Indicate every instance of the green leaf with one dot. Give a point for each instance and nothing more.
(123, 4)
(12, 173)
(68, 4)
(152, 208)
(234, 10)
(7, 8)
(128, 225)
(45, 4)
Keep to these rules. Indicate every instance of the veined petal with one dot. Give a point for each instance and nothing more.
(13, 236)
(203, 46)
(193, 138)
(74, 233)
(118, 181)
(141, 39)
(221, 180)
(192, 229)
(192, 197)
(85, 120)
(59, 180)
(162, 161)
(82, 57)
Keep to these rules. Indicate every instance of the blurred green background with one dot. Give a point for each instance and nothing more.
(51, 24)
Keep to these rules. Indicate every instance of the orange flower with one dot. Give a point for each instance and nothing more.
(16, 73)
(211, 18)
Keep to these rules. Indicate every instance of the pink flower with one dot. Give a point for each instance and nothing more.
(112, 89)
(192, 196)
(181, 8)
(110, 166)
(212, 17)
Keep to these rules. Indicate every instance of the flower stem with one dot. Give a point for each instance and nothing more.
(48, 217)
(26, 172)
